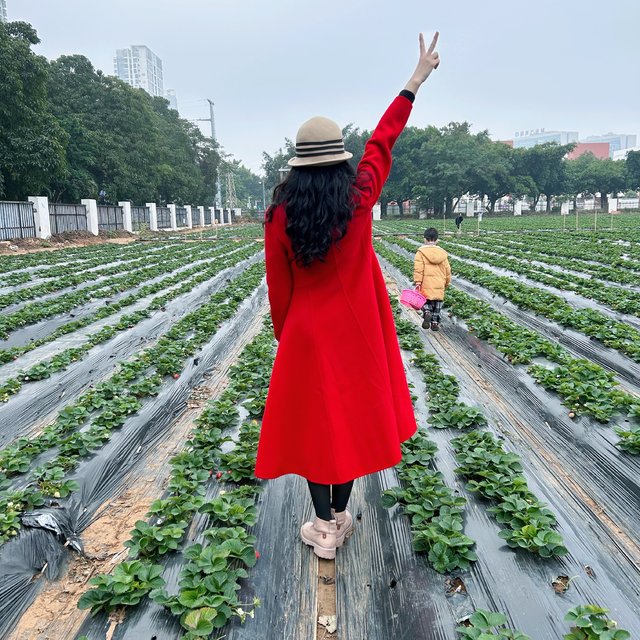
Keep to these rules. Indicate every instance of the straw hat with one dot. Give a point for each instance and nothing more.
(319, 142)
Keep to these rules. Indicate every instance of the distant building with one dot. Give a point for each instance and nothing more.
(533, 137)
(170, 95)
(3, 10)
(141, 68)
(616, 141)
(623, 153)
(598, 149)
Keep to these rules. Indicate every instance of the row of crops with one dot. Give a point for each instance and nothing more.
(499, 281)
(584, 221)
(156, 317)
(103, 348)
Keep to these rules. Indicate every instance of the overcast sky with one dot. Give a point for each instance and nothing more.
(507, 65)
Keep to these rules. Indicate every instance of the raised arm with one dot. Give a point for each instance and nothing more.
(375, 165)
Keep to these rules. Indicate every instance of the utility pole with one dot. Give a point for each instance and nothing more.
(212, 120)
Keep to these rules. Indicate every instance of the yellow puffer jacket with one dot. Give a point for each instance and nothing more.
(431, 271)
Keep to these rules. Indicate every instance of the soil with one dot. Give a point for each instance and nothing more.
(20, 246)
(326, 597)
(53, 615)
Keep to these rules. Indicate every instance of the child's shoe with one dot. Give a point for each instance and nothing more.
(426, 315)
(435, 326)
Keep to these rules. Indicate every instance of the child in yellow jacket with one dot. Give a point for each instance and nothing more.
(432, 273)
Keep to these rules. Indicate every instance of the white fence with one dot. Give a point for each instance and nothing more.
(42, 219)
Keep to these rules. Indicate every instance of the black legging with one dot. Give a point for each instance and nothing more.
(329, 496)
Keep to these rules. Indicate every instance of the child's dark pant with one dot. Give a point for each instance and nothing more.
(434, 307)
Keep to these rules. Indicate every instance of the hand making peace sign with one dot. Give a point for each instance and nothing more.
(428, 61)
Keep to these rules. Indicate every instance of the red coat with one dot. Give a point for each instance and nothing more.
(338, 404)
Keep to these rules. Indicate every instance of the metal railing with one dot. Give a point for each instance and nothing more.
(181, 217)
(140, 218)
(67, 217)
(164, 217)
(17, 220)
(110, 218)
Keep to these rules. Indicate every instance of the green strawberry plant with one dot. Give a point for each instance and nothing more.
(127, 585)
(590, 622)
(487, 625)
(209, 582)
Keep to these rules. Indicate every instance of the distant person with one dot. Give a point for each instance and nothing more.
(338, 405)
(459, 220)
(432, 273)
(102, 196)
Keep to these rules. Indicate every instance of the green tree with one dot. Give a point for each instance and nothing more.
(248, 185)
(493, 173)
(272, 163)
(31, 142)
(633, 169)
(604, 176)
(545, 164)
(354, 142)
(125, 141)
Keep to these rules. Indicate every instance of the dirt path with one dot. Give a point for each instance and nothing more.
(53, 615)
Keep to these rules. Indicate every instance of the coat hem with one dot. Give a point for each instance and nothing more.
(337, 479)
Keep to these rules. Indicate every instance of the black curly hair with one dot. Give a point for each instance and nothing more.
(319, 203)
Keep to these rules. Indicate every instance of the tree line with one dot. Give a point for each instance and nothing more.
(435, 167)
(69, 131)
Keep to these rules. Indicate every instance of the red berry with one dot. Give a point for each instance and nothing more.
(257, 554)
(219, 475)
(176, 376)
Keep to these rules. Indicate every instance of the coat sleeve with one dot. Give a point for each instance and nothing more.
(418, 269)
(447, 272)
(279, 276)
(375, 165)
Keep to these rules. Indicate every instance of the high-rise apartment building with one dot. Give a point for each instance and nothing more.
(170, 95)
(141, 68)
(3, 10)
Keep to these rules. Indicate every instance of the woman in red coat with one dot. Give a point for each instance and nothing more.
(338, 404)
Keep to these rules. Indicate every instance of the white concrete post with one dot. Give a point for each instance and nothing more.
(153, 216)
(41, 216)
(377, 211)
(237, 212)
(470, 207)
(189, 216)
(517, 208)
(126, 216)
(172, 216)
(213, 215)
(201, 211)
(613, 204)
(91, 207)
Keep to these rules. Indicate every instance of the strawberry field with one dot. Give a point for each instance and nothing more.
(132, 383)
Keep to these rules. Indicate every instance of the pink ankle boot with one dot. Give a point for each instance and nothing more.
(321, 535)
(344, 525)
